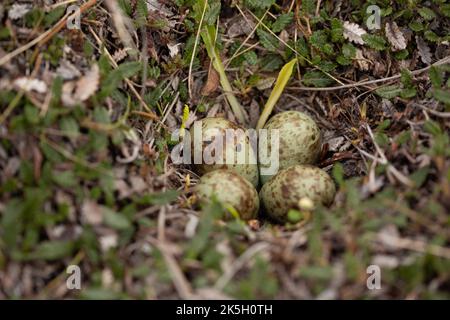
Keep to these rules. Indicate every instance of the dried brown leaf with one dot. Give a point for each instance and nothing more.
(212, 83)
(361, 62)
(75, 92)
(353, 32)
(395, 36)
(424, 50)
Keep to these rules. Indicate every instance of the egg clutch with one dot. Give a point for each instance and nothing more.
(234, 162)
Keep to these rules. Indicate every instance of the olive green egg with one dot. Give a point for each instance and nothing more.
(230, 189)
(299, 141)
(220, 144)
(284, 190)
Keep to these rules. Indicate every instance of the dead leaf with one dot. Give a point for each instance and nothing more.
(88, 84)
(254, 112)
(265, 83)
(67, 70)
(424, 50)
(17, 11)
(174, 49)
(75, 92)
(353, 32)
(212, 83)
(31, 84)
(361, 62)
(108, 241)
(395, 36)
(92, 212)
(240, 26)
(120, 54)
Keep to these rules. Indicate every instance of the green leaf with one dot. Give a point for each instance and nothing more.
(141, 13)
(427, 13)
(408, 93)
(401, 55)
(319, 40)
(54, 15)
(280, 84)
(271, 62)
(308, 7)
(431, 36)
(267, 40)
(70, 127)
(420, 176)
(316, 273)
(11, 223)
(436, 77)
(115, 220)
(212, 13)
(337, 30)
(251, 57)
(343, 60)
(99, 294)
(445, 9)
(317, 79)
(442, 95)
(416, 26)
(52, 250)
(338, 173)
(432, 127)
(65, 179)
(406, 78)
(348, 53)
(282, 21)
(161, 198)
(389, 92)
(113, 79)
(374, 41)
(259, 4)
(125, 6)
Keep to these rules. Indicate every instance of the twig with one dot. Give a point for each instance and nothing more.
(413, 245)
(434, 112)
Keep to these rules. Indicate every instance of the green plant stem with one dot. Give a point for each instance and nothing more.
(208, 36)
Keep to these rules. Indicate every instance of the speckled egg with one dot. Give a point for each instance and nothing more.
(233, 146)
(230, 189)
(284, 190)
(299, 140)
